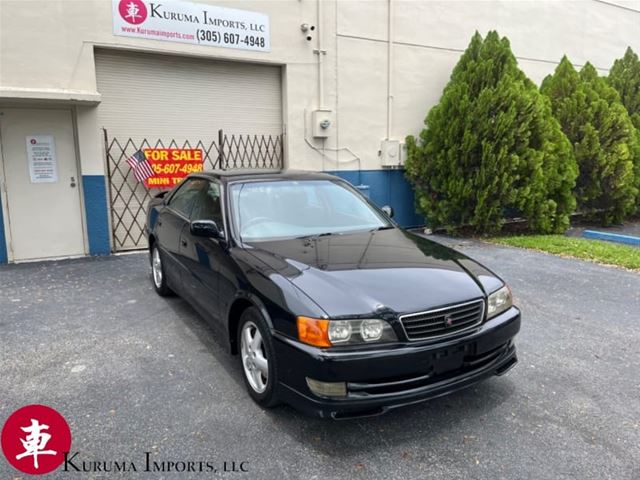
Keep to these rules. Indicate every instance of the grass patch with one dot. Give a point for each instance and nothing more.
(593, 250)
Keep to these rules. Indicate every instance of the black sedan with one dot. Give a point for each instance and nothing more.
(330, 306)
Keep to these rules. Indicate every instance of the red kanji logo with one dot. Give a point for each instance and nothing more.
(133, 11)
(35, 439)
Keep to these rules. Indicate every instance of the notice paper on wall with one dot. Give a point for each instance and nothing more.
(41, 154)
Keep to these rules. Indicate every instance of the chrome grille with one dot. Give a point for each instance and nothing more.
(443, 321)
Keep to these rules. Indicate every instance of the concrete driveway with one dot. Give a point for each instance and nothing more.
(135, 373)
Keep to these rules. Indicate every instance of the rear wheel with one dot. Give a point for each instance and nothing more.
(257, 358)
(157, 273)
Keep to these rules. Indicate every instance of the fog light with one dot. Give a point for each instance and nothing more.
(327, 389)
(371, 330)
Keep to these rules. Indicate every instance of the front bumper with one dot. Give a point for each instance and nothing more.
(386, 377)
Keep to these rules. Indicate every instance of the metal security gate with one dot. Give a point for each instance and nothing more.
(128, 198)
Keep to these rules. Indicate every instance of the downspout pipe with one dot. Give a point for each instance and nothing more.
(390, 35)
(320, 52)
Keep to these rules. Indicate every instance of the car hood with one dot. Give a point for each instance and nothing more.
(386, 270)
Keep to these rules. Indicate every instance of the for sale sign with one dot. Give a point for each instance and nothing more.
(171, 165)
(194, 23)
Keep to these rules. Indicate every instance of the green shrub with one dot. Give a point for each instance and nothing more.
(625, 78)
(491, 148)
(603, 139)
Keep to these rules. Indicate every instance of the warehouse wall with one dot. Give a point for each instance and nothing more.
(430, 36)
(428, 39)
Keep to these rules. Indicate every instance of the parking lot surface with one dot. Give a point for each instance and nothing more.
(135, 373)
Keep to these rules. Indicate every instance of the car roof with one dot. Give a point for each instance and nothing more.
(227, 176)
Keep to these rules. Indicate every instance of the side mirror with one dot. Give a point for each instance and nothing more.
(205, 228)
(163, 196)
(388, 210)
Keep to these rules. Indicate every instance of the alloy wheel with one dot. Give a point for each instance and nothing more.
(254, 361)
(156, 267)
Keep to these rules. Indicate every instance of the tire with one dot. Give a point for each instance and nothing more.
(255, 358)
(158, 276)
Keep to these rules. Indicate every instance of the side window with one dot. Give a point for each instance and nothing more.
(208, 206)
(182, 200)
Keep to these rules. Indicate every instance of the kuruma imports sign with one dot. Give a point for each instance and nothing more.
(171, 165)
(194, 23)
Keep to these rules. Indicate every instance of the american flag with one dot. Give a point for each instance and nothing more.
(140, 166)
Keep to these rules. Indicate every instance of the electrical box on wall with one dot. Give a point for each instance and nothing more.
(391, 154)
(322, 123)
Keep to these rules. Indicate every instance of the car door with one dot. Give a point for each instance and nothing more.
(172, 220)
(201, 255)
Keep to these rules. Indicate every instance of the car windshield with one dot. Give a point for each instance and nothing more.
(289, 209)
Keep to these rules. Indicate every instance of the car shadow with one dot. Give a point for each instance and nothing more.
(208, 336)
(427, 422)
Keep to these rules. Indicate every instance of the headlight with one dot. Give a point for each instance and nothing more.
(499, 301)
(340, 331)
(326, 333)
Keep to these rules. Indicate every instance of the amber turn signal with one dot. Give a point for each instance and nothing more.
(314, 331)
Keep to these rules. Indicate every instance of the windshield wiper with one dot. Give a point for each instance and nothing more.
(315, 235)
(383, 227)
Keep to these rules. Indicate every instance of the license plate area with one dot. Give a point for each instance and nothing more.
(447, 360)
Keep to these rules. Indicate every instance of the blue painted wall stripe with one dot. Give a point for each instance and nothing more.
(3, 241)
(97, 214)
(612, 237)
(387, 187)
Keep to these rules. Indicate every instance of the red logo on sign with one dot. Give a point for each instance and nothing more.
(33, 141)
(35, 439)
(133, 11)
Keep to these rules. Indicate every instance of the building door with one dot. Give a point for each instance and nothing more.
(44, 217)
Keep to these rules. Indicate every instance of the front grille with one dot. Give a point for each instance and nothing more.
(443, 321)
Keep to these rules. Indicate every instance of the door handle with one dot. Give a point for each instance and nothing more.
(73, 182)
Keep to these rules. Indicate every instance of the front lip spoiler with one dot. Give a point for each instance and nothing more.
(379, 406)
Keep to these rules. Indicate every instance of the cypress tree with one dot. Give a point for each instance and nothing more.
(602, 136)
(491, 148)
(625, 78)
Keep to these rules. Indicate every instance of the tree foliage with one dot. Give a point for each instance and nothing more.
(492, 148)
(603, 139)
(625, 78)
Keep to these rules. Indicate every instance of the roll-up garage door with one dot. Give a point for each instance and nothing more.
(151, 100)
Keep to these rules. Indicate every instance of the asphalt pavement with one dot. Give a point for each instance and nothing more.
(135, 373)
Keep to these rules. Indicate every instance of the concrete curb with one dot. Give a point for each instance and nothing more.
(612, 237)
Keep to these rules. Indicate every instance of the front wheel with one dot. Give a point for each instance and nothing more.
(157, 273)
(257, 358)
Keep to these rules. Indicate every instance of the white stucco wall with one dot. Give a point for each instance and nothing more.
(46, 51)
(429, 37)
